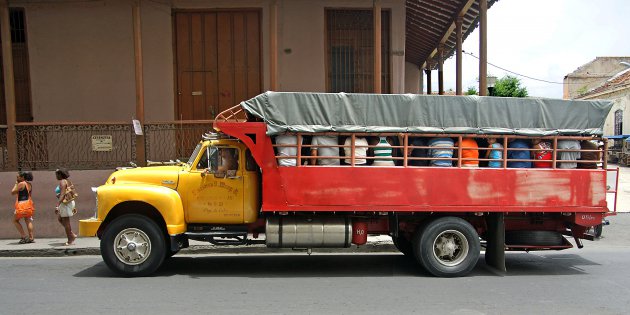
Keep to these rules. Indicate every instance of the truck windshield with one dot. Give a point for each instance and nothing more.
(193, 156)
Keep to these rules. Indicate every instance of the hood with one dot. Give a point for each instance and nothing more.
(166, 176)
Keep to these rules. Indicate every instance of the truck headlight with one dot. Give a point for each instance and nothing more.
(95, 191)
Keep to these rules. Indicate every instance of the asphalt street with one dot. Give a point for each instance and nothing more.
(592, 280)
(595, 281)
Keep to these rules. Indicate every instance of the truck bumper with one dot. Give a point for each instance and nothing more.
(89, 227)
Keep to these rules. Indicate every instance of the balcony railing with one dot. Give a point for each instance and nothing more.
(98, 145)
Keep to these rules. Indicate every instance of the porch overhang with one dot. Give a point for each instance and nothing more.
(431, 24)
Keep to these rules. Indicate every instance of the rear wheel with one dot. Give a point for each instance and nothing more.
(133, 246)
(447, 247)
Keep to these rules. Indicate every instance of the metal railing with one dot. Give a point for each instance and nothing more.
(46, 146)
(98, 145)
(165, 141)
(401, 157)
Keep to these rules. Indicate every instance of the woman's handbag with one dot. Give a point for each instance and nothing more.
(70, 194)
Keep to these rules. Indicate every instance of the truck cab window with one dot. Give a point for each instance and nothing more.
(208, 159)
(227, 161)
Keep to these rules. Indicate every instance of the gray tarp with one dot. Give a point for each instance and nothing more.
(342, 112)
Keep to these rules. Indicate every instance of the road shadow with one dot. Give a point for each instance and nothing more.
(99, 270)
(545, 264)
(353, 265)
(292, 266)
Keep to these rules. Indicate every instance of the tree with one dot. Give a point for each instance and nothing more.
(471, 91)
(509, 86)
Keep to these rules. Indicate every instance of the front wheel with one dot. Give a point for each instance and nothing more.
(133, 246)
(447, 247)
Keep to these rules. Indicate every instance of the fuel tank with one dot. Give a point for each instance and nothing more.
(308, 232)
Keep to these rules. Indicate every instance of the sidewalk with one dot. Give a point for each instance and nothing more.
(54, 247)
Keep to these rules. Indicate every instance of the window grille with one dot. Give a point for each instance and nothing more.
(350, 51)
(18, 30)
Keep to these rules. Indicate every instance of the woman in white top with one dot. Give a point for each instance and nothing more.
(360, 150)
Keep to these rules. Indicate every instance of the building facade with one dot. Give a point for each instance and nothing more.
(83, 70)
(604, 78)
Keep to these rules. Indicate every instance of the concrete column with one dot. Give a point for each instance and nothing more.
(458, 56)
(428, 72)
(483, 47)
(420, 89)
(377, 45)
(441, 69)
(137, 45)
(9, 84)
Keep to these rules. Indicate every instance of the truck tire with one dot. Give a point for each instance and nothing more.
(598, 230)
(447, 247)
(403, 245)
(133, 246)
(533, 238)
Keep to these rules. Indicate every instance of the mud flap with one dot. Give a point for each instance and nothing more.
(495, 248)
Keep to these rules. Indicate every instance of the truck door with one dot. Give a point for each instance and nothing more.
(212, 191)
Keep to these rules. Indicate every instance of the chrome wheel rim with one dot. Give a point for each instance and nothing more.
(132, 246)
(450, 248)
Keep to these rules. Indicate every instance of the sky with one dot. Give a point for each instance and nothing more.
(544, 39)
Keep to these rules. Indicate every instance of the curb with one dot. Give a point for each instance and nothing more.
(202, 249)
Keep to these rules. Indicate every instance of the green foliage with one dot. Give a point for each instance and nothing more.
(509, 86)
(582, 90)
(471, 91)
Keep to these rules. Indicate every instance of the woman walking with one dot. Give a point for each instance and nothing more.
(65, 203)
(24, 207)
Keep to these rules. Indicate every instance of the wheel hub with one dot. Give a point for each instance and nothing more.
(450, 248)
(132, 246)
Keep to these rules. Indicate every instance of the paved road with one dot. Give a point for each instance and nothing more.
(593, 280)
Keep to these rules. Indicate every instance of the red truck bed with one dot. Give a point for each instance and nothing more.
(414, 189)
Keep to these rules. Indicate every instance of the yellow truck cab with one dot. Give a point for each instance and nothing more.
(218, 185)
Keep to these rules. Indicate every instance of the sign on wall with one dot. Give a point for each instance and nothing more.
(102, 143)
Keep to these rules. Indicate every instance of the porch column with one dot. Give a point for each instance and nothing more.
(420, 91)
(9, 84)
(273, 46)
(428, 72)
(458, 56)
(441, 70)
(483, 47)
(137, 46)
(377, 45)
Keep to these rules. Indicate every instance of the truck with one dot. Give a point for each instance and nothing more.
(237, 190)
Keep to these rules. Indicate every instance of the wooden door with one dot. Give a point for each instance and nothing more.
(218, 61)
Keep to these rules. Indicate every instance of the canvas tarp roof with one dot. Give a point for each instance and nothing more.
(373, 113)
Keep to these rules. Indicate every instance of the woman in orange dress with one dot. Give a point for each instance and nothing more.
(24, 207)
